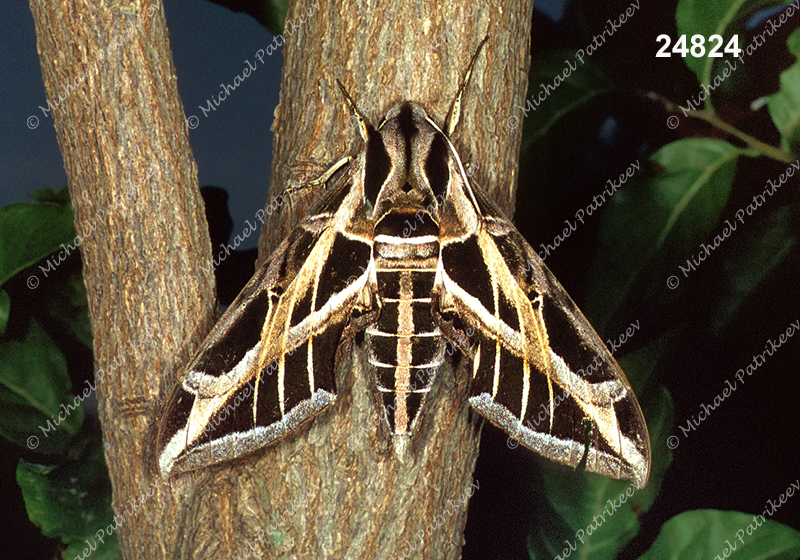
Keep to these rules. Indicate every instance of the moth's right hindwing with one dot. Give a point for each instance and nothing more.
(540, 372)
(268, 365)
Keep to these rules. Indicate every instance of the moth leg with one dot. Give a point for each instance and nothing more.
(363, 128)
(459, 335)
(322, 179)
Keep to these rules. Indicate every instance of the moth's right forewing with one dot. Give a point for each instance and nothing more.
(268, 365)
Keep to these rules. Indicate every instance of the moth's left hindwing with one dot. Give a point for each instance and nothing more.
(268, 364)
(540, 372)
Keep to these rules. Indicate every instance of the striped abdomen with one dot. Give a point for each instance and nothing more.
(406, 347)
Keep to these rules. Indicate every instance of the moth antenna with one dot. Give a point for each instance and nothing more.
(455, 111)
(362, 121)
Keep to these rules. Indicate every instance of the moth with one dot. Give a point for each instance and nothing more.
(407, 249)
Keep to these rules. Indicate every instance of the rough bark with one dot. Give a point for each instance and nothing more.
(124, 141)
(369, 504)
(334, 489)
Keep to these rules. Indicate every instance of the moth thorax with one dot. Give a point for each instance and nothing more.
(406, 162)
(405, 346)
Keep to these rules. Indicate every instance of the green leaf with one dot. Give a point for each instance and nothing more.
(69, 306)
(653, 225)
(33, 391)
(659, 413)
(72, 502)
(59, 196)
(269, 13)
(5, 309)
(598, 511)
(784, 106)
(770, 244)
(276, 15)
(30, 232)
(539, 112)
(657, 407)
(599, 516)
(709, 17)
(710, 533)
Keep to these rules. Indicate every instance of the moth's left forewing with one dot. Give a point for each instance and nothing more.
(540, 372)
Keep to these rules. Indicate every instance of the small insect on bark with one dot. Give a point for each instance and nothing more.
(461, 275)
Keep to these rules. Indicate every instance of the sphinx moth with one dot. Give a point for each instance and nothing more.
(407, 249)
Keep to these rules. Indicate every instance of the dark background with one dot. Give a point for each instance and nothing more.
(745, 453)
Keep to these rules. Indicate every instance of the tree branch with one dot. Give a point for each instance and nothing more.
(369, 504)
(334, 489)
(124, 140)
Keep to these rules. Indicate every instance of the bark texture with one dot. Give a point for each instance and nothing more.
(334, 489)
(369, 504)
(111, 84)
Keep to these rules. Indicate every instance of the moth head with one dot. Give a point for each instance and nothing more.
(406, 163)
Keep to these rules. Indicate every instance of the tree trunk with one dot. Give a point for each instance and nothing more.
(334, 489)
